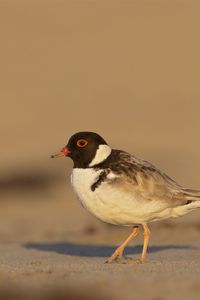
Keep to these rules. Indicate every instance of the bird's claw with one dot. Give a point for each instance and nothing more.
(111, 260)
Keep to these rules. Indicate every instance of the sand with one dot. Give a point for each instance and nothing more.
(54, 249)
(128, 70)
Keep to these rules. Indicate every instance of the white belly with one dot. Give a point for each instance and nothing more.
(113, 205)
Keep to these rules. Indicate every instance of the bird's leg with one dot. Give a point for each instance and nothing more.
(145, 244)
(118, 252)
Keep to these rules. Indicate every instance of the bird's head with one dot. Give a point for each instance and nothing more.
(86, 149)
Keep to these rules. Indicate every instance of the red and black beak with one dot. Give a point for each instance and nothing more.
(64, 152)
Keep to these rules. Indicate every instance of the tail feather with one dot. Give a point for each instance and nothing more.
(190, 200)
(191, 195)
(185, 209)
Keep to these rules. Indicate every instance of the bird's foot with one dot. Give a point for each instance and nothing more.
(112, 259)
(140, 261)
(124, 260)
(115, 256)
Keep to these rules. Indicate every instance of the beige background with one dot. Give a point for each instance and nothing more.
(128, 70)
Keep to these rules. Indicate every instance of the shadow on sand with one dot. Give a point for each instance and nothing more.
(97, 250)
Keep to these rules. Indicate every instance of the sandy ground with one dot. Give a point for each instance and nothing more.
(128, 70)
(54, 249)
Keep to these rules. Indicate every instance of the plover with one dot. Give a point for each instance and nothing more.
(120, 189)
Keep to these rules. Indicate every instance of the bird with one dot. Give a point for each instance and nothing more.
(121, 189)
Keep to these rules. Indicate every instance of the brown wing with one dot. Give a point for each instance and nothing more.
(150, 183)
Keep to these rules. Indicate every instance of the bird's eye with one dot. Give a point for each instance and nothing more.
(82, 143)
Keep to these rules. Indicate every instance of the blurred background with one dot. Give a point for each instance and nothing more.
(128, 70)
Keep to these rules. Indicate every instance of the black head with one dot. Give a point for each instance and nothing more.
(82, 148)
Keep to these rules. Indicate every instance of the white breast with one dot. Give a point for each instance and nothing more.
(82, 180)
(110, 204)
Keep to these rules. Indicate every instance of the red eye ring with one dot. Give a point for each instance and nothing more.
(81, 143)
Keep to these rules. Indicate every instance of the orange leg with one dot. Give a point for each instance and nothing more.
(145, 244)
(119, 251)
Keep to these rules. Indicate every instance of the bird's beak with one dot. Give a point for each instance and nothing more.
(64, 152)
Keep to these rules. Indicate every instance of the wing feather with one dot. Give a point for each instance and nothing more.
(139, 176)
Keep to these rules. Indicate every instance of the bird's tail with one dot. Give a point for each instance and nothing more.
(191, 195)
(192, 201)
